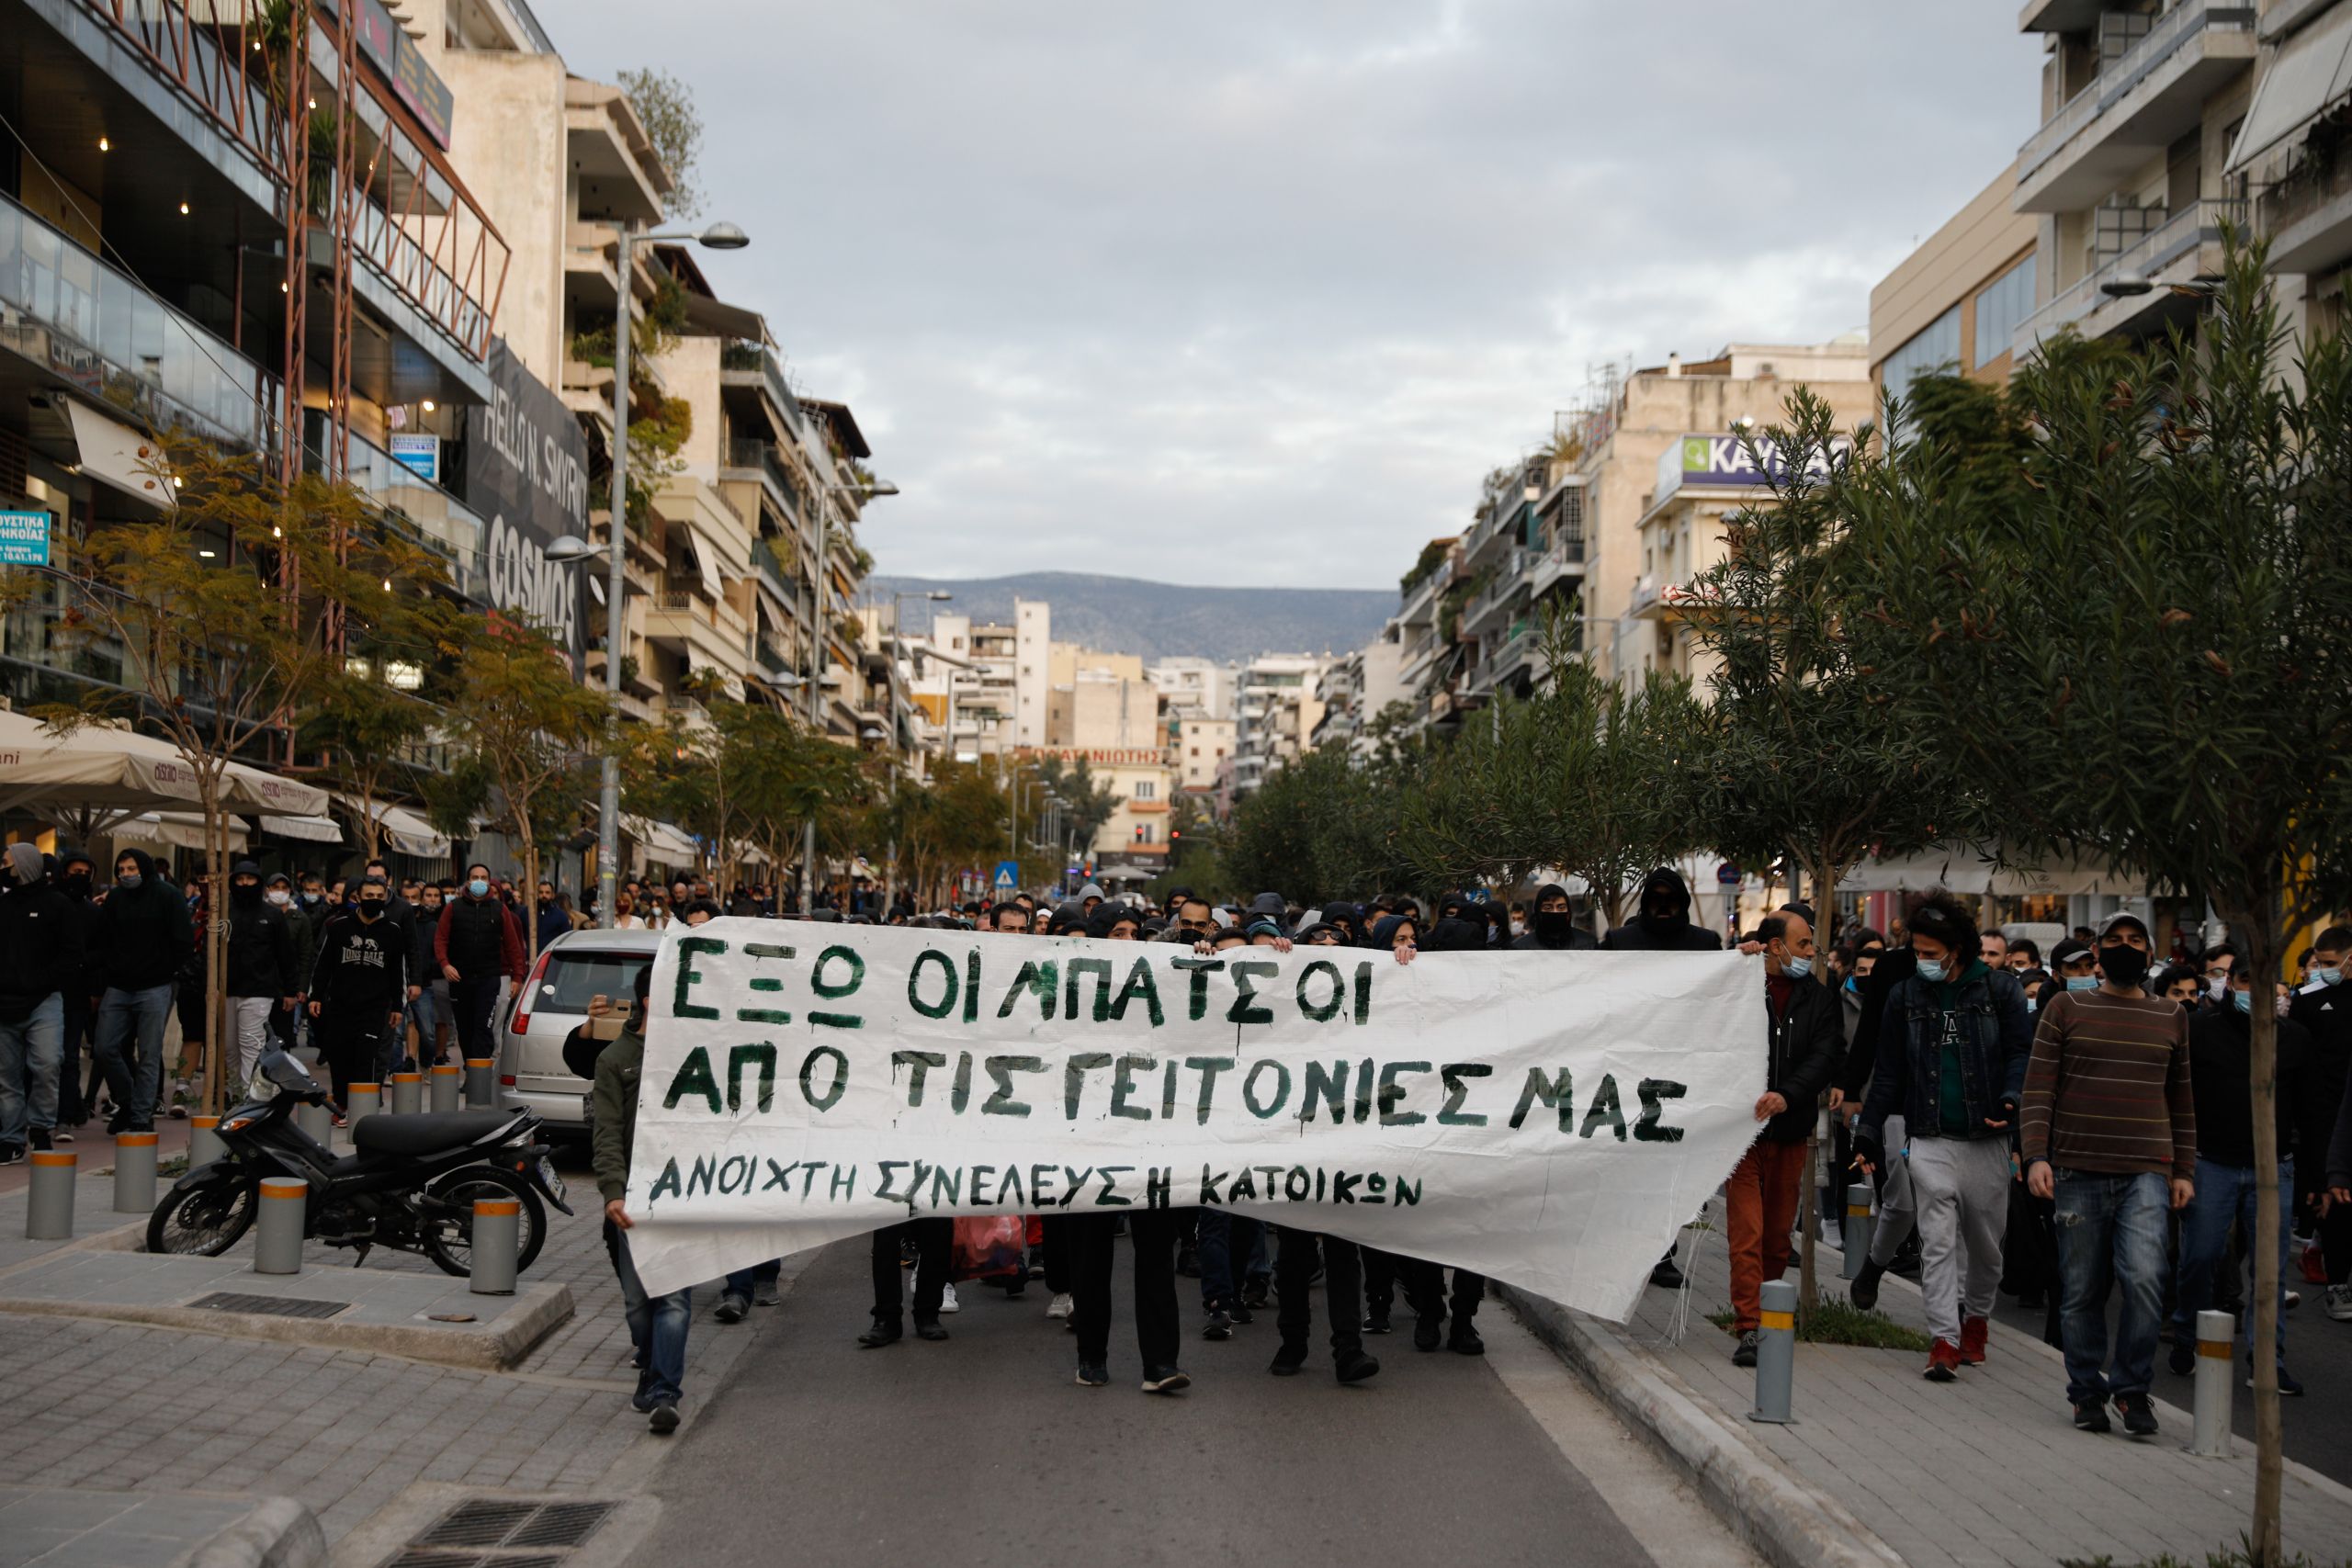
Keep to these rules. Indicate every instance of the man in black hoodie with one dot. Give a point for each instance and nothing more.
(264, 971)
(80, 988)
(1662, 921)
(361, 983)
(1550, 930)
(39, 948)
(144, 936)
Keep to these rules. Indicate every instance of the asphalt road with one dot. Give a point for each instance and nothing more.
(983, 1451)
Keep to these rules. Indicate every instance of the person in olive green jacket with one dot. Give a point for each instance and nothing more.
(657, 1325)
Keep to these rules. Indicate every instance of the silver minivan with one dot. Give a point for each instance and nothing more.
(552, 1003)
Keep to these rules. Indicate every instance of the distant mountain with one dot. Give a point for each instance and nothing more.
(1158, 620)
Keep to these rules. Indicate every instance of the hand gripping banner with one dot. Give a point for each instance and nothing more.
(1549, 1120)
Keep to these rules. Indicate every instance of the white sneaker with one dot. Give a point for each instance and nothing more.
(947, 1299)
(2339, 1303)
(1062, 1305)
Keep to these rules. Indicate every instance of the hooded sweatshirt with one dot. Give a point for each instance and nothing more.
(261, 959)
(1383, 932)
(1669, 930)
(144, 932)
(1554, 932)
(1454, 935)
(1344, 915)
(38, 945)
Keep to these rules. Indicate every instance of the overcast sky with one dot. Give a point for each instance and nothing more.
(1227, 292)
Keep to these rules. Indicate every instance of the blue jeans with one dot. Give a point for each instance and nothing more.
(740, 1282)
(130, 1050)
(427, 1013)
(2225, 1194)
(31, 1052)
(1224, 1237)
(657, 1326)
(2110, 1232)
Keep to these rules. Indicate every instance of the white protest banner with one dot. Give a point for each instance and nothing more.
(1549, 1120)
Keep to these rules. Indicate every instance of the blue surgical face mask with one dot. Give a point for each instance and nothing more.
(2328, 977)
(2030, 1002)
(2082, 982)
(478, 887)
(128, 879)
(1854, 984)
(1931, 970)
(2242, 1001)
(1796, 968)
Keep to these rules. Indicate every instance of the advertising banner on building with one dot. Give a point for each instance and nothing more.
(1727, 461)
(527, 473)
(1547, 1121)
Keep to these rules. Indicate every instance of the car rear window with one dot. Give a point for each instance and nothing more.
(573, 978)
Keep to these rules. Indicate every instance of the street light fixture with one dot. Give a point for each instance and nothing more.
(818, 585)
(718, 237)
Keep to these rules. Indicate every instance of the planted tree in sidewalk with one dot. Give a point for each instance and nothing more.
(226, 615)
(528, 736)
(383, 699)
(2148, 641)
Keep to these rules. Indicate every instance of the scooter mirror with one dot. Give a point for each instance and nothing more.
(286, 1070)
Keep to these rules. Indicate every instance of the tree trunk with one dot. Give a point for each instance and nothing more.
(213, 1089)
(2263, 945)
(530, 896)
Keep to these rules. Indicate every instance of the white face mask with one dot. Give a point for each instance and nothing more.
(279, 896)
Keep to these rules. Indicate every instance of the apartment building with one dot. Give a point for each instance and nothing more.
(1198, 747)
(1359, 688)
(1279, 710)
(1522, 561)
(1190, 684)
(1954, 304)
(2291, 149)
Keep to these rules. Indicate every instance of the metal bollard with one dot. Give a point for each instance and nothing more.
(204, 1145)
(363, 1100)
(1859, 1225)
(277, 1244)
(497, 1238)
(448, 1086)
(1776, 1354)
(481, 1083)
(317, 1121)
(49, 1209)
(2216, 1373)
(408, 1093)
(134, 1172)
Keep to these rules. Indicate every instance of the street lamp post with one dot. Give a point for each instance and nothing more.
(899, 637)
(816, 678)
(718, 237)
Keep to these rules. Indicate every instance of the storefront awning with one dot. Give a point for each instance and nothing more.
(100, 766)
(311, 829)
(662, 843)
(2313, 71)
(173, 829)
(1966, 870)
(404, 830)
(118, 455)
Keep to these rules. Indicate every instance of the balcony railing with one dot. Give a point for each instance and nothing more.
(2195, 225)
(757, 356)
(762, 457)
(211, 65)
(88, 324)
(2322, 174)
(2127, 71)
(434, 517)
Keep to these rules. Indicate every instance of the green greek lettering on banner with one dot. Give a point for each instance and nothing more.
(1244, 1009)
(1552, 1092)
(1140, 984)
(1605, 1109)
(1039, 977)
(1650, 1128)
(694, 1076)
(1075, 982)
(689, 977)
(1392, 1094)
(807, 1075)
(1323, 1011)
(762, 1057)
(1268, 1110)
(1456, 1092)
(823, 988)
(1123, 1086)
(1202, 968)
(946, 1003)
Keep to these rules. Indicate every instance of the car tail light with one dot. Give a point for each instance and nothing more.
(521, 1021)
(506, 1080)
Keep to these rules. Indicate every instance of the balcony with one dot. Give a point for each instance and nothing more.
(2187, 245)
(752, 365)
(1504, 523)
(1510, 576)
(1517, 648)
(187, 64)
(2308, 213)
(763, 461)
(93, 329)
(434, 517)
(2145, 95)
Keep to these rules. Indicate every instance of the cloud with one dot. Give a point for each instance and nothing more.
(1227, 292)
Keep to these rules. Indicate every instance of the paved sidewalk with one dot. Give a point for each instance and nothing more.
(345, 1432)
(57, 1528)
(1985, 1471)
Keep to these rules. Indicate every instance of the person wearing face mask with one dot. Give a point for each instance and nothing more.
(39, 946)
(475, 944)
(428, 1008)
(1550, 928)
(2110, 1134)
(1662, 921)
(278, 893)
(144, 935)
(2322, 1005)
(1802, 1046)
(263, 970)
(80, 990)
(2220, 1041)
(361, 983)
(1952, 1058)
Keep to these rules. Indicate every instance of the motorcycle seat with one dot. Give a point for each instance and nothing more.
(429, 1132)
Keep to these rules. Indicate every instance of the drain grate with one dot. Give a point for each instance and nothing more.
(494, 1533)
(268, 1306)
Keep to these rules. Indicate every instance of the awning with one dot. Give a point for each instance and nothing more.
(313, 830)
(100, 765)
(662, 843)
(173, 829)
(707, 317)
(2310, 72)
(1966, 870)
(404, 830)
(117, 454)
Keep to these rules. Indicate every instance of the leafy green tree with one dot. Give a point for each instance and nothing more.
(667, 106)
(2148, 641)
(1086, 804)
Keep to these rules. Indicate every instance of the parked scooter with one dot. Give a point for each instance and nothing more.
(411, 1184)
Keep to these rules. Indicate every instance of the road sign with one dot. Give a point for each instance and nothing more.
(1007, 878)
(1727, 874)
(24, 538)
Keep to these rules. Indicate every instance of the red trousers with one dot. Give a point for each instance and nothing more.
(1761, 1203)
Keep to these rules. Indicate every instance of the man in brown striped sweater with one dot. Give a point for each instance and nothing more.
(2108, 1130)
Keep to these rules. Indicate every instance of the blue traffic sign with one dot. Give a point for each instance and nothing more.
(1007, 878)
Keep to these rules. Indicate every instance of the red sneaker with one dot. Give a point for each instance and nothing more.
(1943, 1362)
(1973, 1332)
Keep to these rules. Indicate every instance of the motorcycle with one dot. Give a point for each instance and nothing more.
(410, 1183)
